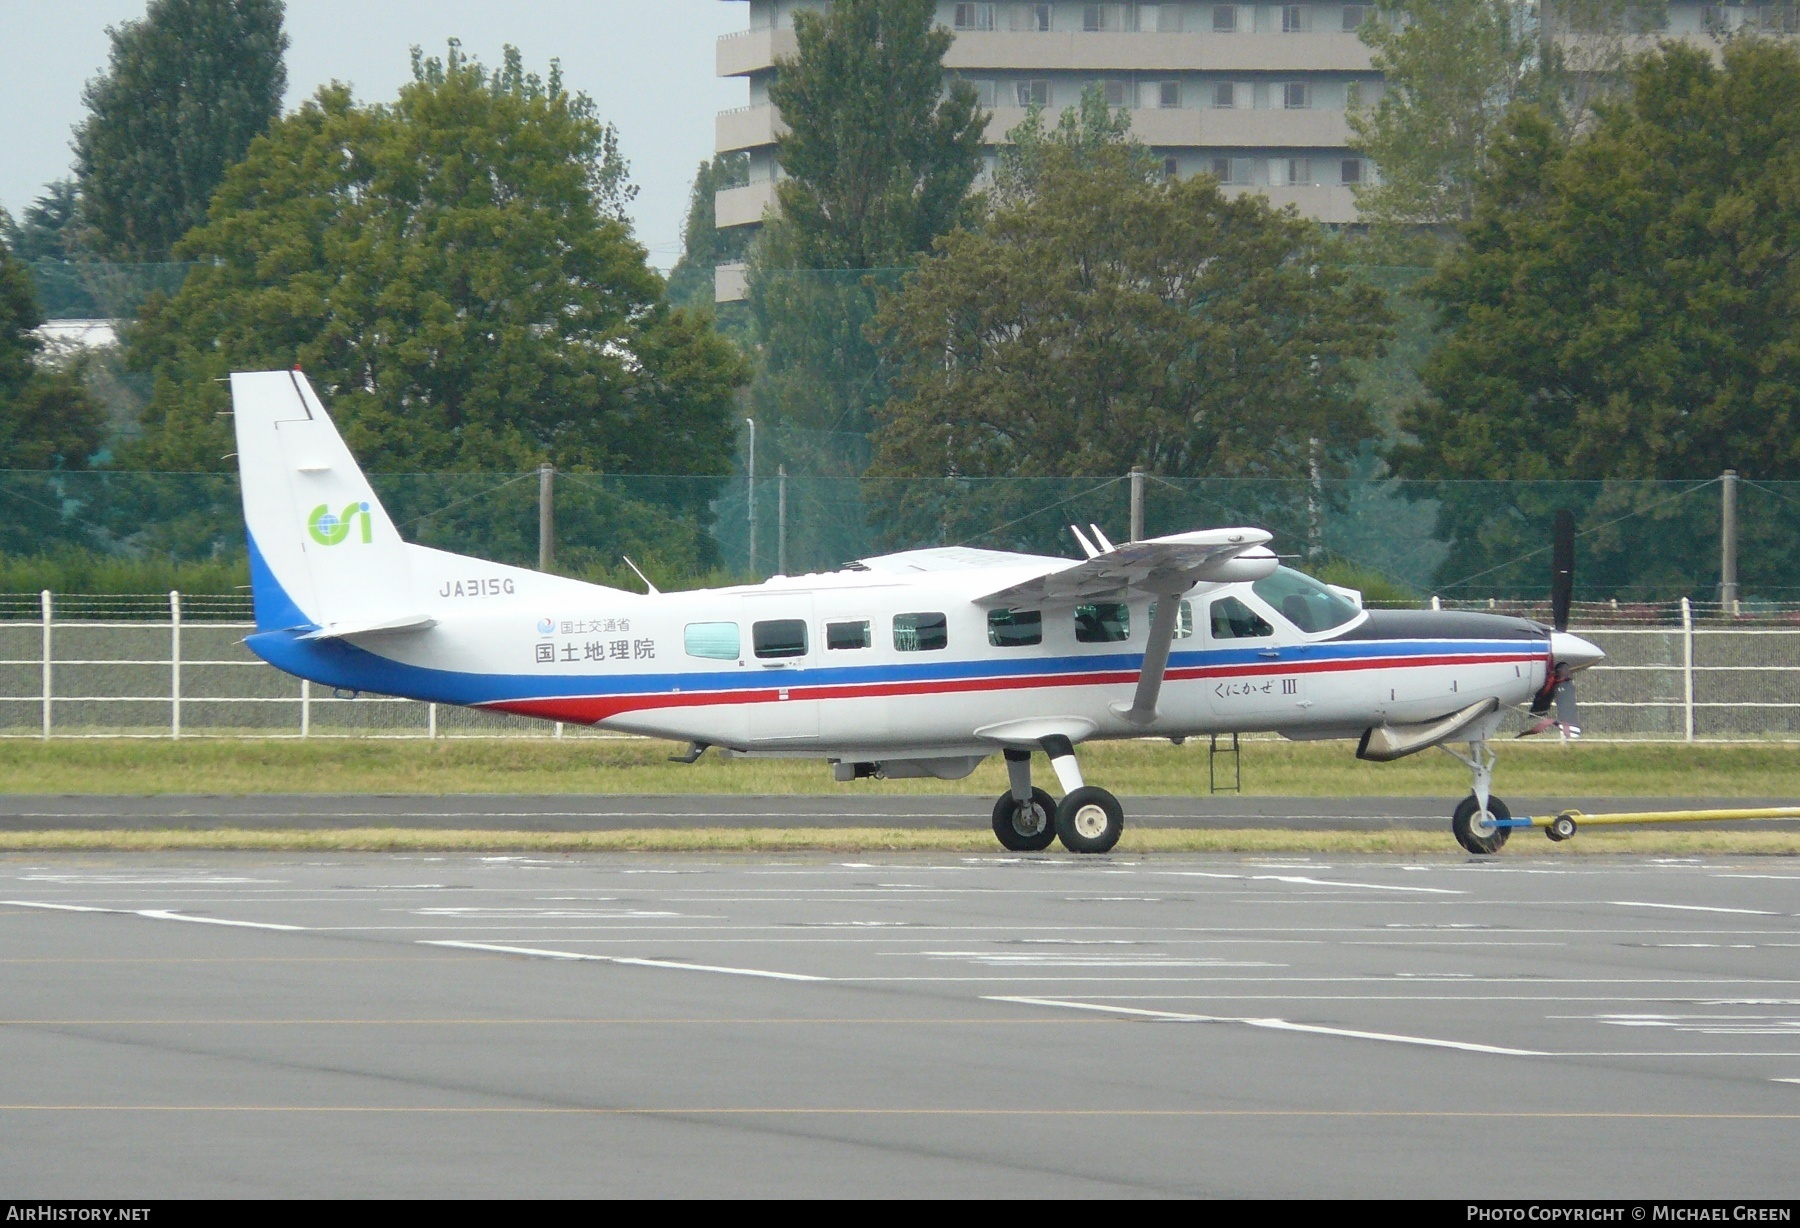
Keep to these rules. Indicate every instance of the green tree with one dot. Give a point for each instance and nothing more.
(703, 245)
(1624, 306)
(1452, 69)
(47, 419)
(453, 273)
(44, 230)
(1110, 320)
(188, 87)
(1083, 130)
(879, 154)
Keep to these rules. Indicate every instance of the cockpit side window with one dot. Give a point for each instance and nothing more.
(1233, 620)
(1303, 601)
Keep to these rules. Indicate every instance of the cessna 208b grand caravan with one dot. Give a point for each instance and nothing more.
(922, 663)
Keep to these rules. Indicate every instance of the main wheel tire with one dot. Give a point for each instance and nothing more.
(1026, 829)
(1089, 820)
(1481, 834)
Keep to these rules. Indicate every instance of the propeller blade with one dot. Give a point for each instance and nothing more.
(1566, 714)
(1562, 569)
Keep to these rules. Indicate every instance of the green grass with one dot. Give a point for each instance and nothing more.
(889, 840)
(614, 766)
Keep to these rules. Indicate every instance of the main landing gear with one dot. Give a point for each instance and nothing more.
(1087, 820)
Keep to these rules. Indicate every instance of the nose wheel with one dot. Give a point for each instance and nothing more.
(1481, 831)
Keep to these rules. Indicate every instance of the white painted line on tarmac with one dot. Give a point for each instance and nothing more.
(1275, 1025)
(1784, 1080)
(1748, 912)
(1303, 881)
(153, 914)
(544, 953)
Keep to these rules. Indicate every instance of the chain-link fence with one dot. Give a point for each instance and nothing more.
(176, 666)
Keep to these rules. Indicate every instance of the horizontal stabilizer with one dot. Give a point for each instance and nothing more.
(1385, 743)
(385, 626)
(1172, 564)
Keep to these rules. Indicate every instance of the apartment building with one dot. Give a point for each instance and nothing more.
(1255, 95)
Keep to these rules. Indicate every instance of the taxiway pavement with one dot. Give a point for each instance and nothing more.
(817, 1024)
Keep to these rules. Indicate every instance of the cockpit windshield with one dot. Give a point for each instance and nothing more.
(1303, 601)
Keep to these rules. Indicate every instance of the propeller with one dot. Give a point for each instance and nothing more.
(1559, 682)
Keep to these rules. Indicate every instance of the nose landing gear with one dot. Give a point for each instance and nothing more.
(1481, 822)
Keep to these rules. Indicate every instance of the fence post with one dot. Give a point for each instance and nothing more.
(1687, 669)
(305, 708)
(750, 497)
(559, 729)
(781, 520)
(546, 516)
(1137, 503)
(1435, 603)
(44, 601)
(174, 664)
(1728, 558)
(431, 720)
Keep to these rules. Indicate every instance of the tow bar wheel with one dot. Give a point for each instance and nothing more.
(1561, 828)
(1481, 834)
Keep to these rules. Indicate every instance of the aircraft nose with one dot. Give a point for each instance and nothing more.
(1573, 651)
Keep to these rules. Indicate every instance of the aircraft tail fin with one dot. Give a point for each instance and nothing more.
(324, 554)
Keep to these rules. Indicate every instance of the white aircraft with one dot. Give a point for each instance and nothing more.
(922, 663)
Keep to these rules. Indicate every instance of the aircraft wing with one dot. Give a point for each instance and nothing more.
(1161, 565)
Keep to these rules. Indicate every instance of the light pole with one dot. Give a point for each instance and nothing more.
(750, 494)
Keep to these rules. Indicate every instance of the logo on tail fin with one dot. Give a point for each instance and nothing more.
(328, 529)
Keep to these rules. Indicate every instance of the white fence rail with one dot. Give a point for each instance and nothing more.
(157, 672)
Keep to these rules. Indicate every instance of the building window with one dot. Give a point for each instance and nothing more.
(1168, 94)
(1224, 95)
(1225, 19)
(1351, 171)
(984, 93)
(1161, 18)
(847, 635)
(1015, 628)
(920, 632)
(1296, 96)
(1354, 16)
(1353, 94)
(1033, 18)
(1171, 169)
(1290, 172)
(1715, 19)
(1776, 19)
(1295, 18)
(974, 17)
(1119, 93)
(1102, 17)
(1032, 93)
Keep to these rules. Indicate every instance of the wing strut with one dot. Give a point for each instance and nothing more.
(1142, 708)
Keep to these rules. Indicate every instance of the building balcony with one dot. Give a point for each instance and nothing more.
(982, 51)
(750, 51)
(1189, 127)
(753, 51)
(1330, 204)
(746, 128)
(743, 206)
(730, 283)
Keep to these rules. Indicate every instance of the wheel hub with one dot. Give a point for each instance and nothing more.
(1029, 820)
(1090, 822)
(1483, 824)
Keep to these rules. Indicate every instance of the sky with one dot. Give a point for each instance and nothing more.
(648, 65)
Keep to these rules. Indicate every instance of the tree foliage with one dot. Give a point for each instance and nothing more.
(1453, 69)
(46, 229)
(703, 245)
(879, 155)
(1082, 132)
(1110, 321)
(1624, 306)
(451, 271)
(47, 419)
(187, 89)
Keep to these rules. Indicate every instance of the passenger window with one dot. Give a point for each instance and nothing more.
(847, 635)
(1184, 619)
(779, 637)
(920, 632)
(1233, 620)
(714, 641)
(1015, 628)
(1102, 623)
